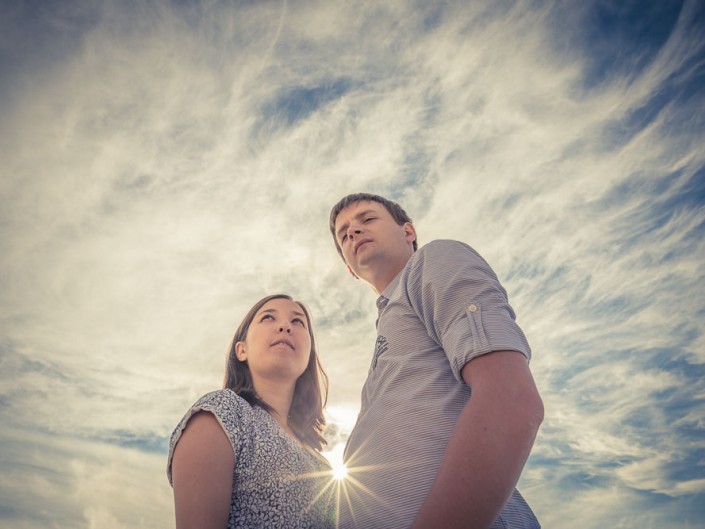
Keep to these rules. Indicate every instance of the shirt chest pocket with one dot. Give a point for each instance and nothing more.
(402, 344)
(381, 346)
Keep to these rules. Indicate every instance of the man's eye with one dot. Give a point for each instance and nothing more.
(368, 219)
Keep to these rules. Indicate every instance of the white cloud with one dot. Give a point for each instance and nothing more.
(65, 482)
(156, 182)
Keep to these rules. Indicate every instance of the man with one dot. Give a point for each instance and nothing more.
(423, 453)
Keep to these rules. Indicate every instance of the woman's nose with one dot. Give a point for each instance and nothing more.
(284, 327)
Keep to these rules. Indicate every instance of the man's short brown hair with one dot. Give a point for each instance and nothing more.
(395, 210)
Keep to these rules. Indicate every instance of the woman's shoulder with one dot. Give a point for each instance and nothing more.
(230, 410)
(234, 414)
(223, 398)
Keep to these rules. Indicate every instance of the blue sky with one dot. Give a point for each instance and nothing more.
(164, 165)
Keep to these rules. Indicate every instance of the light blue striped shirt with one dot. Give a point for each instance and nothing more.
(443, 309)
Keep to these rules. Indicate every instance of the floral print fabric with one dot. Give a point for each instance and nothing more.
(276, 481)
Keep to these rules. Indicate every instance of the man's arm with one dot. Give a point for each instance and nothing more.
(489, 446)
(202, 475)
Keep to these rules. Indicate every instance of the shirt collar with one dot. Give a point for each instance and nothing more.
(383, 299)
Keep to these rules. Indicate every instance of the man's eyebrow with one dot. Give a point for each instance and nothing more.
(357, 216)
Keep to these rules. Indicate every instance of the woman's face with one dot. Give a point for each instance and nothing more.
(278, 343)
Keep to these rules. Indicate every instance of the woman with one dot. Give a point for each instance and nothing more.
(249, 455)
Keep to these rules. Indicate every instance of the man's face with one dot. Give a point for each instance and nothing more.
(370, 239)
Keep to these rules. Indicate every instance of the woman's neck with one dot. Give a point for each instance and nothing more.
(279, 397)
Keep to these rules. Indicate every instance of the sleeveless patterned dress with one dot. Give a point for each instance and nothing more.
(276, 482)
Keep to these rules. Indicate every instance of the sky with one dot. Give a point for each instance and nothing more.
(164, 165)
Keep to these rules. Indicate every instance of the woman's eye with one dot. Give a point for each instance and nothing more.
(267, 316)
(299, 321)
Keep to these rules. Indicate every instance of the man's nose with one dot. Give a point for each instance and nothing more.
(354, 229)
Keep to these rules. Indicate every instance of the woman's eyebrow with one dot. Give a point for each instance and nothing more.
(295, 313)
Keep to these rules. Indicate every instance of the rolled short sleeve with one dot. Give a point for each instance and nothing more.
(230, 410)
(462, 303)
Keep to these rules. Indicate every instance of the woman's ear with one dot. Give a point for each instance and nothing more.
(240, 351)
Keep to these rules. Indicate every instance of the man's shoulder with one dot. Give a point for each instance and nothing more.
(443, 249)
(433, 261)
(442, 244)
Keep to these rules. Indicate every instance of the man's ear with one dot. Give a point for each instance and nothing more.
(240, 351)
(351, 272)
(409, 232)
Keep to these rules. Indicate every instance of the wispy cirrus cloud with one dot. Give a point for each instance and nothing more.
(164, 166)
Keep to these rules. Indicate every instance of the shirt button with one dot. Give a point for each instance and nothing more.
(472, 307)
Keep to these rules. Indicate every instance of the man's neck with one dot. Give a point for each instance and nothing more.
(382, 280)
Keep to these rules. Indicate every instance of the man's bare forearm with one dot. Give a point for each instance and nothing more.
(489, 446)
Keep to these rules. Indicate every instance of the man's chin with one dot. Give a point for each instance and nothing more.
(362, 271)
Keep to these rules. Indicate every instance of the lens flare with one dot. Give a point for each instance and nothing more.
(340, 471)
(335, 457)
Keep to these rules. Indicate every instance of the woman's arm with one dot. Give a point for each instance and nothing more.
(202, 475)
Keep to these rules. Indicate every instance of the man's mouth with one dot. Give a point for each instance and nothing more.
(360, 243)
